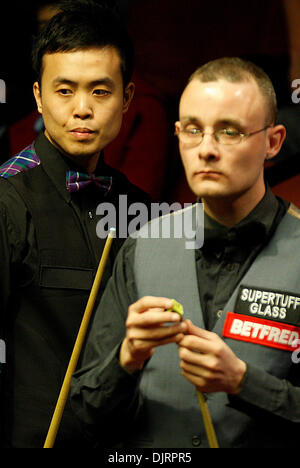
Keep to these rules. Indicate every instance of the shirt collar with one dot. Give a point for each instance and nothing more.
(254, 229)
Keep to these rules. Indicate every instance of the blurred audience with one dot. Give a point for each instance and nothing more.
(165, 36)
(140, 151)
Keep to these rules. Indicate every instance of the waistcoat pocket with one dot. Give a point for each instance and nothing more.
(66, 277)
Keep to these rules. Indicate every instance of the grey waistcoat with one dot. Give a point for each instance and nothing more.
(171, 416)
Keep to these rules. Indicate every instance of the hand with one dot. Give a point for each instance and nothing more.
(208, 363)
(146, 329)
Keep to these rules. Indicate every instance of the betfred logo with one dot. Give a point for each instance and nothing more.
(260, 331)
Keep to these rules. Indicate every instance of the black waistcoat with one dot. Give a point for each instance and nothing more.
(45, 315)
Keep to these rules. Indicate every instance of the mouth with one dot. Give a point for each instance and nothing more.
(82, 132)
(208, 172)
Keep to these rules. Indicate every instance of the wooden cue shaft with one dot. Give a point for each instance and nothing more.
(209, 428)
(61, 402)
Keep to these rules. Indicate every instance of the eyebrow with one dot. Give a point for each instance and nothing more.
(225, 122)
(189, 119)
(231, 122)
(100, 82)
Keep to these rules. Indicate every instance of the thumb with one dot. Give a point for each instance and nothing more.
(194, 330)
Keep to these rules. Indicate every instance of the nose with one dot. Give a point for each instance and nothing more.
(209, 147)
(82, 106)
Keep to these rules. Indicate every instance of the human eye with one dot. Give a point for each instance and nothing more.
(101, 92)
(229, 132)
(229, 136)
(192, 130)
(64, 91)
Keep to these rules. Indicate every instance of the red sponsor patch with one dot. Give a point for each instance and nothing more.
(260, 331)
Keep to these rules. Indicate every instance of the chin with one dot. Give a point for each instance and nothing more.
(208, 191)
(81, 150)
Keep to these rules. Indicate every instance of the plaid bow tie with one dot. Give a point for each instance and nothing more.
(75, 181)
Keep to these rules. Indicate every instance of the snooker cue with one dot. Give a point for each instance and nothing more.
(208, 424)
(62, 399)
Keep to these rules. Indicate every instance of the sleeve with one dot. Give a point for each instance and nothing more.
(104, 396)
(5, 254)
(12, 245)
(4, 286)
(12, 224)
(18, 255)
(268, 396)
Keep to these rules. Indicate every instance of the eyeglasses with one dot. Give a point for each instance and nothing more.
(225, 136)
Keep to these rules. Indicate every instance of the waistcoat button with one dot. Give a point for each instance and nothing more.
(196, 441)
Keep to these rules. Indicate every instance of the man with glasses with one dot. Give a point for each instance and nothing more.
(239, 290)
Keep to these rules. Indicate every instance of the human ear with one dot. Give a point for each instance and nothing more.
(128, 95)
(37, 96)
(276, 138)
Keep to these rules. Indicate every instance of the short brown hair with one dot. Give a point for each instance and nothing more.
(237, 70)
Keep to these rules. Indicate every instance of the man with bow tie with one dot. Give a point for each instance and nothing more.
(49, 192)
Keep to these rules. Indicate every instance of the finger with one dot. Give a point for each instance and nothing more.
(197, 371)
(142, 346)
(201, 332)
(149, 302)
(199, 363)
(155, 333)
(199, 345)
(151, 318)
(196, 358)
(201, 383)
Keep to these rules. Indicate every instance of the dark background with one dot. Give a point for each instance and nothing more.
(172, 38)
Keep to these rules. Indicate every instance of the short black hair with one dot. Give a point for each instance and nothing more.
(81, 25)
